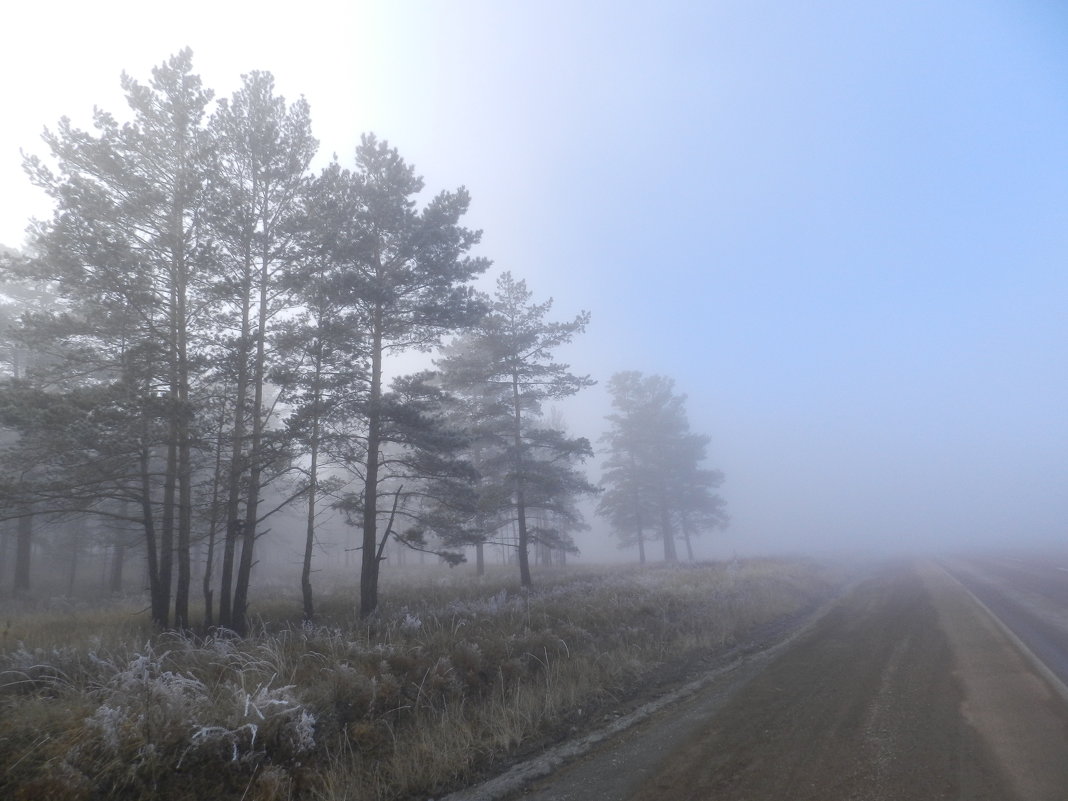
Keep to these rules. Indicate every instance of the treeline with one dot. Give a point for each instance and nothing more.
(201, 336)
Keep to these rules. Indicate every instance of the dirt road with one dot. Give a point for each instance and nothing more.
(905, 689)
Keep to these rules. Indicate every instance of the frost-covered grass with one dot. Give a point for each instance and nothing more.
(452, 673)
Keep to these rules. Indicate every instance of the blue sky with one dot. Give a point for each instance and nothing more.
(840, 226)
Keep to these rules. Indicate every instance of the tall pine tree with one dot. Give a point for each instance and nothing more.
(406, 273)
(506, 365)
(124, 250)
(262, 150)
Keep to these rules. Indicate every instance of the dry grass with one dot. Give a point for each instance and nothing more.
(450, 675)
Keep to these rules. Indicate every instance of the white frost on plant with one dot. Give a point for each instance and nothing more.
(497, 604)
(270, 709)
(303, 731)
(107, 722)
(222, 643)
(264, 699)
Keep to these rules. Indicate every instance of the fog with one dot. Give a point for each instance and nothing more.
(840, 229)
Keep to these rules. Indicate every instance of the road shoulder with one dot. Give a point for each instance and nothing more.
(1015, 711)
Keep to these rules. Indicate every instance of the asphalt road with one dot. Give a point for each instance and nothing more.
(1028, 593)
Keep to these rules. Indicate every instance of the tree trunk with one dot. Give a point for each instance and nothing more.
(233, 531)
(118, 560)
(520, 493)
(259, 370)
(166, 533)
(670, 554)
(370, 564)
(185, 523)
(158, 601)
(480, 559)
(4, 536)
(174, 427)
(213, 526)
(237, 466)
(637, 512)
(244, 567)
(542, 550)
(23, 554)
(686, 539)
(183, 412)
(313, 490)
(75, 532)
(247, 529)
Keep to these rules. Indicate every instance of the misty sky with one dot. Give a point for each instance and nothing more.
(840, 226)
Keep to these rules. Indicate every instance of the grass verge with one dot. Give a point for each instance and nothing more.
(451, 676)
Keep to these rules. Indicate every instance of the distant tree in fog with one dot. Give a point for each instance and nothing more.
(18, 297)
(556, 490)
(654, 485)
(505, 366)
(478, 409)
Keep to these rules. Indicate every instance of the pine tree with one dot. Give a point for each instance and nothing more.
(406, 273)
(653, 481)
(262, 150)
(124, 250)
(506, 365)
